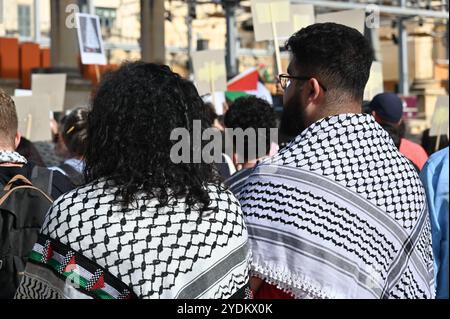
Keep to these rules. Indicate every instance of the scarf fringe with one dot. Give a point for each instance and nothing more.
(288, 282)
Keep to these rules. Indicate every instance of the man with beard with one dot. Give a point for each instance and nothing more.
(338, 212)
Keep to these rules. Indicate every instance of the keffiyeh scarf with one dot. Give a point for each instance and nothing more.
(11, 157)
(340, 213)
(89, 247)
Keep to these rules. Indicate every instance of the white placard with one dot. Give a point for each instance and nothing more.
(439, 121)
(350, 18)
(33, 113)
(302, 15)
(268, 12)
(53, 85)
(209, 71)
(20, 92)
(375, 83)
(90, 39)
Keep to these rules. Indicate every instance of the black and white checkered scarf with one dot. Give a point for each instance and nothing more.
(340, 213)
(11, 157)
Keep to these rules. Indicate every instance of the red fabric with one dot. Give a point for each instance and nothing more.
(244, 82)
(268, 291)
(414, 152)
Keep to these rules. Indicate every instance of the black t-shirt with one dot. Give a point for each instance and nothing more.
(60, 185)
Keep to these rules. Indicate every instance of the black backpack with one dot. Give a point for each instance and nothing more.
(74, 176)
(23, 206)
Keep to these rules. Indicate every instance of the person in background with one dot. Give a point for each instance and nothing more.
(429, 142)
(27, 149)
(225, 168)
(387, 108)
(145, 225)
(339, 212)
(434, 176)
(26, 193)
(72, 142)
(12, 163)
(250, 113)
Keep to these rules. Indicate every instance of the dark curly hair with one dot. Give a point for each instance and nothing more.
(74, 131)
(252, 112)
(338, 55)
(134, 111)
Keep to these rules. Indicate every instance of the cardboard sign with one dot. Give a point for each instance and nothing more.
(209, 71)
(375, 84)
(268, 12)
(53, 85)
(20, 92)
(351, 18)
(302, 15)
(33, 113)
(439, 121)
(90, 39)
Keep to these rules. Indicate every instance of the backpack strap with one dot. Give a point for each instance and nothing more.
(42, 178)
(75, 177)
(16, 178)
(9, 188)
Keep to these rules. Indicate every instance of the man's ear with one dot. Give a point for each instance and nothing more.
(312, 93)
(17, 140)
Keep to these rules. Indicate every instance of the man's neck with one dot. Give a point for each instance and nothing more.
(354, 108)
(252, 163)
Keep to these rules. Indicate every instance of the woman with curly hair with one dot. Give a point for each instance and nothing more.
(142, 226)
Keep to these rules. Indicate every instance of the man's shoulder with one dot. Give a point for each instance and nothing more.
(440, 156)
(235, 180)
(437, 161)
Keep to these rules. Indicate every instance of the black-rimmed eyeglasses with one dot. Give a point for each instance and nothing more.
(285, 80)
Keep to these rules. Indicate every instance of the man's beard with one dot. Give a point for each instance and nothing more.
(292, 120)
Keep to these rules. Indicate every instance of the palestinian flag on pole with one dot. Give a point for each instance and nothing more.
(246, 84)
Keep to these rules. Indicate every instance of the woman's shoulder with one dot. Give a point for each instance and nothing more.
(74, 205)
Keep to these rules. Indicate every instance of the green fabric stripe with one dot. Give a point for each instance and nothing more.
(73, 277)
(35, 256)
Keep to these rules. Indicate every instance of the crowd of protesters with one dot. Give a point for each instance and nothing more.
(347, 208)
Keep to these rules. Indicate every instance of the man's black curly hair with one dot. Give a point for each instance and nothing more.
(133, 113)
(337, 55)
(251, 112)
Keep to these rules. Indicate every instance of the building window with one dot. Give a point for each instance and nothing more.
(107, 17)
(24, 20)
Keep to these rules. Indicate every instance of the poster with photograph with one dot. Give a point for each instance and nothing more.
(90, 39)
